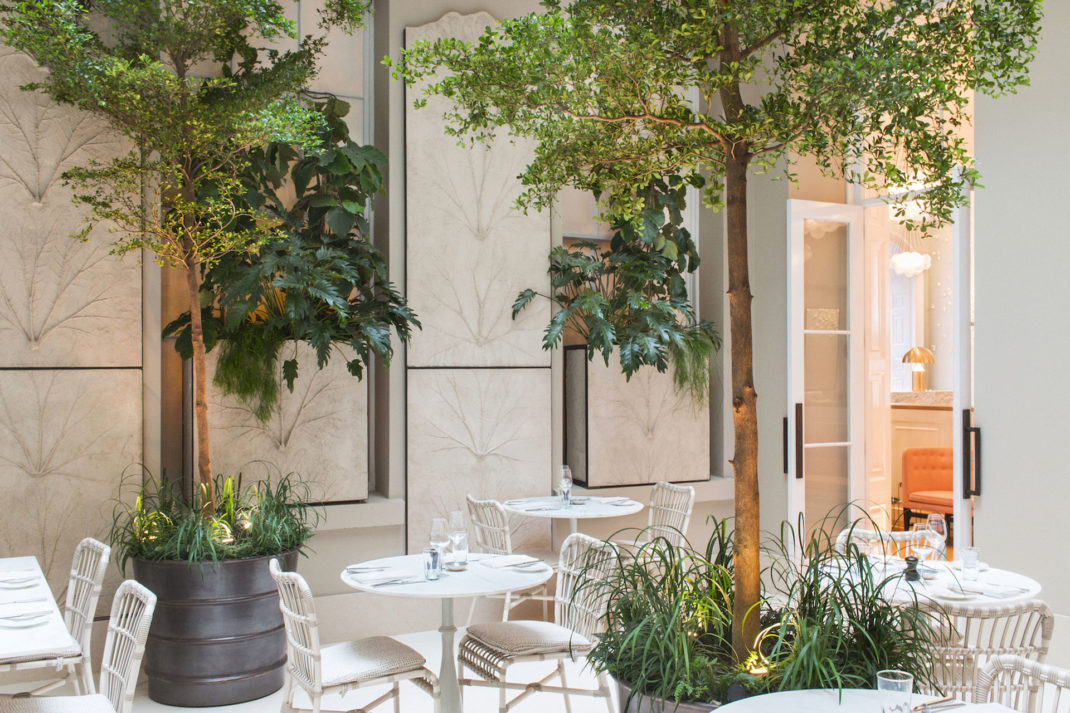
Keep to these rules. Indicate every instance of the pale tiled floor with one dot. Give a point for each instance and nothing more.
(476, 700)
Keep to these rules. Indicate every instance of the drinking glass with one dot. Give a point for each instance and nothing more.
(565, 486)
(432, 563)
(458, 551)
(439, 537)
(921, 545)
(971, 563)
(895, 688)
(938, 527)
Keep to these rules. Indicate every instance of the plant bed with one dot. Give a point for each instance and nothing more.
(649, 704)
(217, 636)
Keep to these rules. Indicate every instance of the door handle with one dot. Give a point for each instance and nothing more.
(798, 440)
(970, 447)
(784, 447)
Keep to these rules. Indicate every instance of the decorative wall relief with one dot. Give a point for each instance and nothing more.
(319, 431)
(66, 438)
(483, 432)
(638, 431)
(469, 250)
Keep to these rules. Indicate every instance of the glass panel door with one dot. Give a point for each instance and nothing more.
(824, 357)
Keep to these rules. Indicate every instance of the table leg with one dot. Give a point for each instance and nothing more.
(573, 526)
(447, 675)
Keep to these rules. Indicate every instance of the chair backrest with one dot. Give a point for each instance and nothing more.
(491, 526)
(927, 469)
(897, 543)
(670, 511)
(124, 645)
(1023, 685)
(302, 628)
(584, 567)
(979, 633)
(83, 589)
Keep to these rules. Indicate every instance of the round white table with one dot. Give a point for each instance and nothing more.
(992, 586)
(480, 579)
(852, 700)
(583, 507)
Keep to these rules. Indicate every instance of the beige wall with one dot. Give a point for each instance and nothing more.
(1022, 340)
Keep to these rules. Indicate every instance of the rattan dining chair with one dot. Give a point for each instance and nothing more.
(1023, 685)
(124, 646)
(83, 591)
(489, 650)
(344, 666)
(670, 512)
(490, 525)
(896, 543)
(972, 635)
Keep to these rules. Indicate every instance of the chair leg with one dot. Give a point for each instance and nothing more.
(506, 606)
(287, 694)
(604, 687)
(471, 612)
(85, 670)
(564, 684)
(545, 603)
(317, 701)
(908, 515)
(397, 697)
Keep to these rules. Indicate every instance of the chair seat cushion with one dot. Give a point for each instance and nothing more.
(933, 497)
(365, 659)
(95, 703)
(520, 638)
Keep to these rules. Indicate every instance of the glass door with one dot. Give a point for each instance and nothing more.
(825, 375)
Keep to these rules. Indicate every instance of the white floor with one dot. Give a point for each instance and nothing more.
(413, 700)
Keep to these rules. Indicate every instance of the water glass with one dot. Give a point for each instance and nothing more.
(432, 563)
(458, 551)
(439, 536)
(565, 486)
(895, 688)
(971, 563)
(921, 541)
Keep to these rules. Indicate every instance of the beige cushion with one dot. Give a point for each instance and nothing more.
(529, 637)
(935, 497)
(365, 659)
(95, 703)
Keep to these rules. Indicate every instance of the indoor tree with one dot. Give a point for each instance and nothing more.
(187, 85)
(618, 92)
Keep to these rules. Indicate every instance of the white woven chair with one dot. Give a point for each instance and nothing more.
(897, 543)
(490, 525)
(345, 666)
(979, 633)
(128, 626)
(670, 512)
(83, 591)
(488, 650)
(1023, 685)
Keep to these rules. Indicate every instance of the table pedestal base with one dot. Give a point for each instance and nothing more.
(447, 675)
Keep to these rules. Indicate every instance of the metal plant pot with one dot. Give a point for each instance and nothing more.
(646, 704)
(217, 636)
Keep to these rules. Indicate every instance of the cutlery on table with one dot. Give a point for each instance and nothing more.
(18, 580)
(24, 615)
(400, 580)
(523, 565)
(357, 569)
(935, 706)
(25, 601)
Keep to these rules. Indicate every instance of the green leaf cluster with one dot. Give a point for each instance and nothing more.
(318, 279)
(632, 297)
(264, 518)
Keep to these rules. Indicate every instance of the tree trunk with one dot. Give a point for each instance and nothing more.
(745, 615)
(200, 386)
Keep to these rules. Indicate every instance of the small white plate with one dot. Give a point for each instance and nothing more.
(20, 583)
(24, 623)
(953, 595)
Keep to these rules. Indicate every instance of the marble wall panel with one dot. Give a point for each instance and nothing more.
(66, 439)
(62, 302)
(484, 432)
(319, 431)
(638, 431)
(469, 251)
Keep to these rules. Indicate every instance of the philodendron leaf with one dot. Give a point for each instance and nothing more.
(289, 373)
(522, 301)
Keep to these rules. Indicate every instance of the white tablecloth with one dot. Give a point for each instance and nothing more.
(826, 701)
(45, 638)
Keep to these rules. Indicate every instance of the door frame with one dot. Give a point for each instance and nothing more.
(851, 215)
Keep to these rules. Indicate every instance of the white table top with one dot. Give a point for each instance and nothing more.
(43, 637)
(583, 507)
(992, 587)
(480, 579)
(853, 700)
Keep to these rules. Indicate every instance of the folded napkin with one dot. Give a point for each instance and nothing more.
(995, 591)
(19, 577)
(509, 561)
(386, 575)
(22, 613)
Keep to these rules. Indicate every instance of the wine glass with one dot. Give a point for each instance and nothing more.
(921, 545)
(937, 525)
(458, 541)
(565, 486)
(439, 537)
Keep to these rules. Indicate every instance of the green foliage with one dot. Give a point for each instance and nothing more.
(669, 620)
(317, 280)
(264, 518)
(605, 89)
(633, 296)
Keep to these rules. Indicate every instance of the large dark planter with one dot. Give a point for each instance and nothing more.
(646, 704)
(217, 636)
